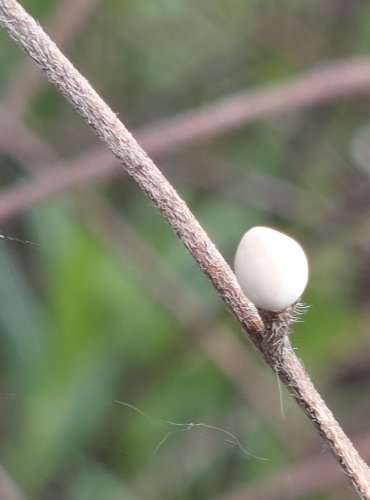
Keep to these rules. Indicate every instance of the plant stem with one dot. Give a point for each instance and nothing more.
(282, 359)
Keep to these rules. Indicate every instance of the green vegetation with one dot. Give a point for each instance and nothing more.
(88, 321)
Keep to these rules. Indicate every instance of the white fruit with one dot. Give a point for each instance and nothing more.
(271, 268)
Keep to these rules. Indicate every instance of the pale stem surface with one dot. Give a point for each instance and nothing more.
(29, 35)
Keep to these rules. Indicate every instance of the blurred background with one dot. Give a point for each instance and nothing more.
(121, 374)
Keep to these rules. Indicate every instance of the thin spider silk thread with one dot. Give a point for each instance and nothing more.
(186, 427)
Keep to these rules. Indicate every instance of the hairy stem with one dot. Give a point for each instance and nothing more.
(279, 355)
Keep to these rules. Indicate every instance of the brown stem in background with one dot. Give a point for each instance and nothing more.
(33, 153)
(259, 189)
(336, 80)
(17, 198)
(323, 84)
(8, 489)
(29, 35)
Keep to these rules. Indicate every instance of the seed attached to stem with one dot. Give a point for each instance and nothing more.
(271, 268)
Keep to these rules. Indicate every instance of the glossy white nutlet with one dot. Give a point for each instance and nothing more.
(271, 268)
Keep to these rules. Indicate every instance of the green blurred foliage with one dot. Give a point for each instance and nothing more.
(81, 330)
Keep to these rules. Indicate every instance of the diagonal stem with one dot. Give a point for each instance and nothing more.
(29, 35)
(110, 130)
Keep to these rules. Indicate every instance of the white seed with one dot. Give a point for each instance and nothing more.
(271, 268)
